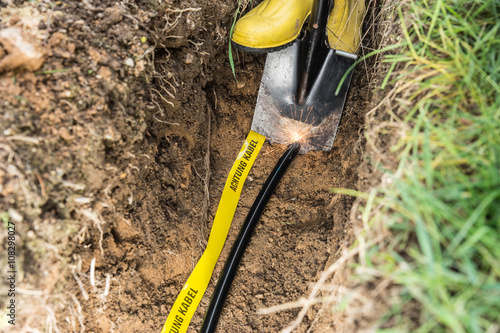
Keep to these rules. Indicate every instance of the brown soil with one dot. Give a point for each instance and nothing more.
(118, 148)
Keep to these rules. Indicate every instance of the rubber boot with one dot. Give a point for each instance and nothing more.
(344, 27)
(271, 26)
(275, 24)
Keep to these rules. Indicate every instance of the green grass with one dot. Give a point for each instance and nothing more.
(53, 71)
(442, 208)
(230, 49)
(237, 13)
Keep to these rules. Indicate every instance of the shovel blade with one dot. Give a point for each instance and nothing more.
(281, 119)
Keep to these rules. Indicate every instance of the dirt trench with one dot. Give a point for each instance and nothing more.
(150, 144)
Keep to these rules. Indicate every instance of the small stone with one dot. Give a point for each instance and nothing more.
(189, 58)
(79, 24)
(105, 73)
(82, 200)
(129, 62)
(20, 51)
(113, 15)
(64, 133)
(71, 47)
(141, 65)
(95, 55)
(15, 216)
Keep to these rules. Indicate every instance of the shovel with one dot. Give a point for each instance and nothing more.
(303, 88)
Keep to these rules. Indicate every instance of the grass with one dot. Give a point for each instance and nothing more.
(230, 49)
(440, 211)
(53, 71)
(242, 4)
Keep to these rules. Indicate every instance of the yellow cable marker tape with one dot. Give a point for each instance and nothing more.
(186, 303)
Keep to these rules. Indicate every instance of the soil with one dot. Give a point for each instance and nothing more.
(117, 149)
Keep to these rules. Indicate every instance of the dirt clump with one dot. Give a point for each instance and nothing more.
(17, 52)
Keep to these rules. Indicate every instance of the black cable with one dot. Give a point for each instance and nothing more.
(229, 271)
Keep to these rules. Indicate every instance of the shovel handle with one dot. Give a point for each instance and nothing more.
(313, 52)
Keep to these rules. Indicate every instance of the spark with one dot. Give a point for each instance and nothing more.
(296, 129)
(294, 124)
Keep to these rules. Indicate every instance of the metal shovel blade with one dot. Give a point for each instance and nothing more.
(278, 115)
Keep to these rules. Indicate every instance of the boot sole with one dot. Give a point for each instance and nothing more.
(261, 50)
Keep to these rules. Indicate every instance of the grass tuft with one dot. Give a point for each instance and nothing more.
(441, 204)
(242, 4)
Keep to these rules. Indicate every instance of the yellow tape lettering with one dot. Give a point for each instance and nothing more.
(186, 303)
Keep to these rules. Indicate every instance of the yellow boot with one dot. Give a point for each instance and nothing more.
(270, 26)
(345, 25)
(274, 24)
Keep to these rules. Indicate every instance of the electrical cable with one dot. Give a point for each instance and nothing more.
(231, 266)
